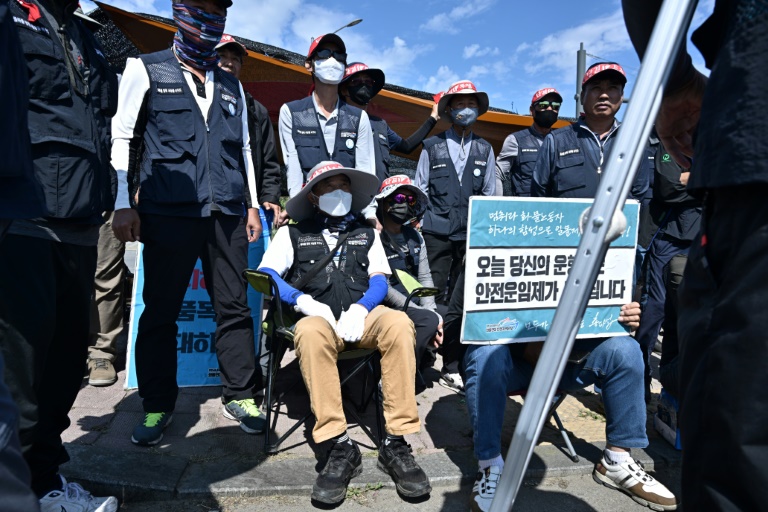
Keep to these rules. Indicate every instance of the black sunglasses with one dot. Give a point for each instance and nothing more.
(326, 53)
(543, 105)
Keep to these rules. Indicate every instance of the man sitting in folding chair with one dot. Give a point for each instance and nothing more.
(400, 202)
(340, 299)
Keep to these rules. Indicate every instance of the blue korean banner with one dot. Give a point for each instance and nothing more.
(197, 364)
(519, 254)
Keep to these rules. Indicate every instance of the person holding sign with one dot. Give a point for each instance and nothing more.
(337, 269)
(181, 131)
(454, 166)
(514, 165)
(570, 166)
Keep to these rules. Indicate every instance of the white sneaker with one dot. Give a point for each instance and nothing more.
(485, 489)
(73, 498)
(452, 381)
(630, 478)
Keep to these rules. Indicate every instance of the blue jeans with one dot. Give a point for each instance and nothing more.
(615, 364)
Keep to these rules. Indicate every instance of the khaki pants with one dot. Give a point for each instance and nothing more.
(317, 348)
(108, 294)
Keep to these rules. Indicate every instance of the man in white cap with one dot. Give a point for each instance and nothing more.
(514, 165)
(322, 126)
(453, 166)
(332, 244)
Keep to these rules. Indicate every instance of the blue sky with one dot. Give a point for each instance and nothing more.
(508, 48)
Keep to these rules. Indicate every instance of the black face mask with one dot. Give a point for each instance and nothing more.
(545, 118)
(400, 213)
(361, 94)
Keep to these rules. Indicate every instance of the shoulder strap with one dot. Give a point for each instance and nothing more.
(321, 264)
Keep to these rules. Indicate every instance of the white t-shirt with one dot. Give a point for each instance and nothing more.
(280, 258)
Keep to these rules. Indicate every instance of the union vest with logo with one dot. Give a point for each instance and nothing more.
(448, 207)
(399, 260)
(190, 165)
(576, 162)
(521, 172)
(338, 285)
(380, 146)
(308, 136)
(68, 128)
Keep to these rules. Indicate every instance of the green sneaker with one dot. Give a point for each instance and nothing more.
(150, 431)
(247, 413)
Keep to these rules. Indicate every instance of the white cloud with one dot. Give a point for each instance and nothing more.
(605, 36)
(445, 22)
(440, 81)
(140, 6)
(477, 71)
(474, 50)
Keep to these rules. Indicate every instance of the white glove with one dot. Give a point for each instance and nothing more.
(308, 306)
(352, 323)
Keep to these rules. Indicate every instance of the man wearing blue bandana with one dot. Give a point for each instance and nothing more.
(186, 189)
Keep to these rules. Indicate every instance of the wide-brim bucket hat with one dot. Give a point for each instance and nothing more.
(363, 186)
(463, 87)
(358, 67)
(398, 181)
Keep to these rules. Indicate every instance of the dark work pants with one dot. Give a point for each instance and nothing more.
(658, 256)
(453, 350)
(425, 322)
(723, 354)
(14, 472)
(171, 248)
(446, 259)
(45, 297)
(669, 366)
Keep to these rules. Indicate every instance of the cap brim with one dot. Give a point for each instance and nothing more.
(234, 44)
(603, 74)
(329, 38)
(482, 101)
(363, 185)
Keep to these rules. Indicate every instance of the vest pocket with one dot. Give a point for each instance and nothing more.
(172, 180)
(48, 78)
(174, 119)
(232, 121)
(72, 192)
(232, 173)
(570, 173)
(439, 187)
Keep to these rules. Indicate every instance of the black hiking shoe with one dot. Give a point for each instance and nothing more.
(396, 459)
(344, 463)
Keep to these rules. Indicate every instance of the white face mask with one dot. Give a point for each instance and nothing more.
(336, 203)
(329, 71)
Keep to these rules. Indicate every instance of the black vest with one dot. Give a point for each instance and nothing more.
(309, 140)
(190, 167)
(337, 286)
(521, 172)
(380, 146)
(68, 128)
(448, 207)
(406, 261)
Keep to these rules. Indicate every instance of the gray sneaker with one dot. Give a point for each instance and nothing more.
(247, 413)
(101, 372)
(452, 381)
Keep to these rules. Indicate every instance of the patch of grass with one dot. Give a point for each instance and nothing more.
(592, 415)
(358, 493)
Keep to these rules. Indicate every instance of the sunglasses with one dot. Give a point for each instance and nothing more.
(543, 105)
(326, 53)
(361, 81)
(402, 198)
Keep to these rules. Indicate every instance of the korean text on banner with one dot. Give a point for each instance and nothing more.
(519, 254)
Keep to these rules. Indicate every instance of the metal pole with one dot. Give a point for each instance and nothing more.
(581, 68)
(668, 33)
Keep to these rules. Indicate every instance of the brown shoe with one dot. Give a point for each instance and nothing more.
(630, 478)
(101, 372)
